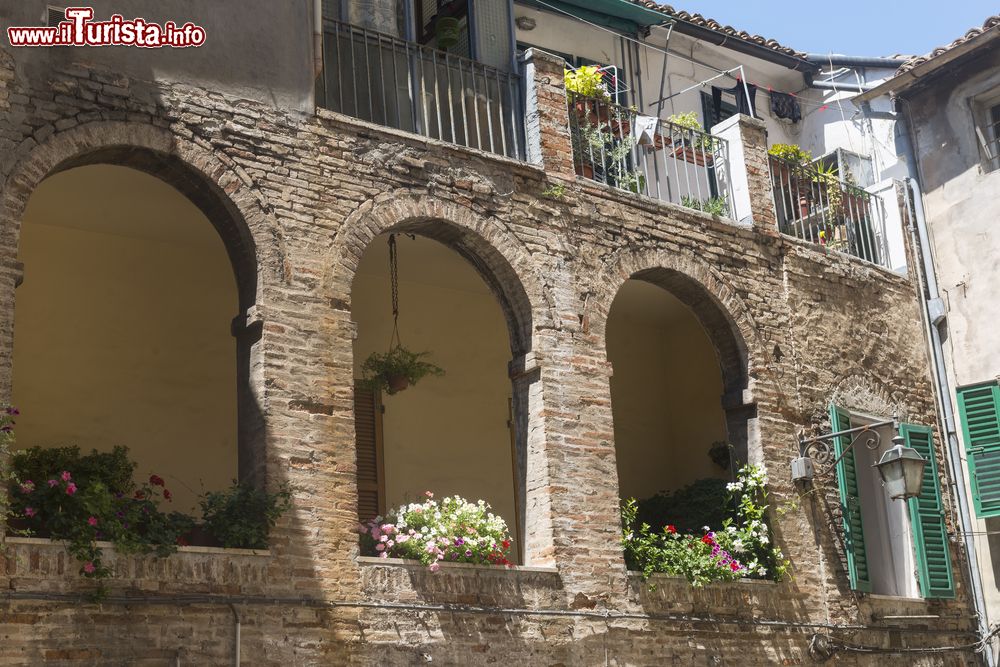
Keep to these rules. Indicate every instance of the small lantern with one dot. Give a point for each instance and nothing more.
(902, 470)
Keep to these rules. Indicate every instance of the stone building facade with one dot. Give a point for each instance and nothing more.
(948, 99)
(297, 197)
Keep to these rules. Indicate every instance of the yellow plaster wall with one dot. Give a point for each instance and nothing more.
(122, 328)
(446, 434)
(666, 392)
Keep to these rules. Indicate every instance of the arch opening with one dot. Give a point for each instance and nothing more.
(462, 433)
(681, 422)
(127, 320)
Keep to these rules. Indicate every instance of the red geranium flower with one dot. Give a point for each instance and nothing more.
(156, 480)
(707, 540)
(671, 528)
(166, 494)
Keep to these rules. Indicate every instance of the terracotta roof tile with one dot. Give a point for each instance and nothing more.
(715, 26)
(988, 25)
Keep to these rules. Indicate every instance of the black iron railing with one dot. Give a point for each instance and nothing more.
(416, 88)
(819, 207)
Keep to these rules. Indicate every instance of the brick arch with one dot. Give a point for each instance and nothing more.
(501, 261)
(720, 311)
(217, 186)
(224, 193)
(865, 394)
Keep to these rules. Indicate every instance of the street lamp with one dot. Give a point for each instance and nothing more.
(901, 468)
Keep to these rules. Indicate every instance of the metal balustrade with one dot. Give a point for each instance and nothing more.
(416, 88)
(821, 208)
(615, 145)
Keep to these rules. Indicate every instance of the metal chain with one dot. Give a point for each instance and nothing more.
(394, 282)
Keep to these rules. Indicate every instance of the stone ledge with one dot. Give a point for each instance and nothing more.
(61, 544)
(371, 561)
(678, 579)
(836, 255)
(359, 125)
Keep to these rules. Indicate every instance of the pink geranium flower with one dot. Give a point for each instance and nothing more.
(88, 567)
(30, 512)
(92, 521)
(70, 489)
(66, 476)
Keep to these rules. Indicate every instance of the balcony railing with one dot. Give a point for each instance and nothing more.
(613, 144)
(416, 88)
(820, 208)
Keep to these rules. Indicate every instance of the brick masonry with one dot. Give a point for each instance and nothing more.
(297, 198)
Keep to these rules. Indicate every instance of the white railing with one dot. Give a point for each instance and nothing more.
(615, 145)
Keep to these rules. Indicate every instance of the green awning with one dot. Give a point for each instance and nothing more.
(620, 15)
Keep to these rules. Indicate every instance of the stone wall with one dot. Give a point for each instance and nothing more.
(297, 198)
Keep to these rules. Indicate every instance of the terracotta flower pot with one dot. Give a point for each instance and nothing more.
(397, 383)
(691, 155)
(804, 206)
(199, 537)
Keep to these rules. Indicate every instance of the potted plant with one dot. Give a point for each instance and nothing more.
(694, 146)
(588, 92)
(787, 167)
(446, 31)
(790, 153)
(241, 516)
(397, 369)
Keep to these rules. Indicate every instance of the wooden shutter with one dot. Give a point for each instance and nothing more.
(930, 536)
(371, 469)
(850, 502)
(979, 411)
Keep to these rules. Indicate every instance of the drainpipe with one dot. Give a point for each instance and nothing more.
(236, 648)
(925, 269)
(318, 43)
(855, 61)
(840, 87)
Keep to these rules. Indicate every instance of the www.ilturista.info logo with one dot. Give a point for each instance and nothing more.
(79, 30)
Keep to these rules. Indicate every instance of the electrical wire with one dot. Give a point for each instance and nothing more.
(765, 90)
(977, 646)
(606, 615)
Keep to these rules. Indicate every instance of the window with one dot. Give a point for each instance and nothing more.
(715, 116)
(852, 168)
(885, 541)
(986, 114)
(979, 412)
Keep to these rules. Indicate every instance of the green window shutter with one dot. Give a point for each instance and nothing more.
(850, 502)
(979, 411)
(930, 536)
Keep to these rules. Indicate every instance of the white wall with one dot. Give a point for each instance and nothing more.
(829, 119)
(962, 205)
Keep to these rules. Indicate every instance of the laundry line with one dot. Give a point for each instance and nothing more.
(673, 54)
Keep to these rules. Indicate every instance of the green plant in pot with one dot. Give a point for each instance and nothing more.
(586, 81)
(790, 153)
(397, 369)
(689, 121)
(446, 32)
